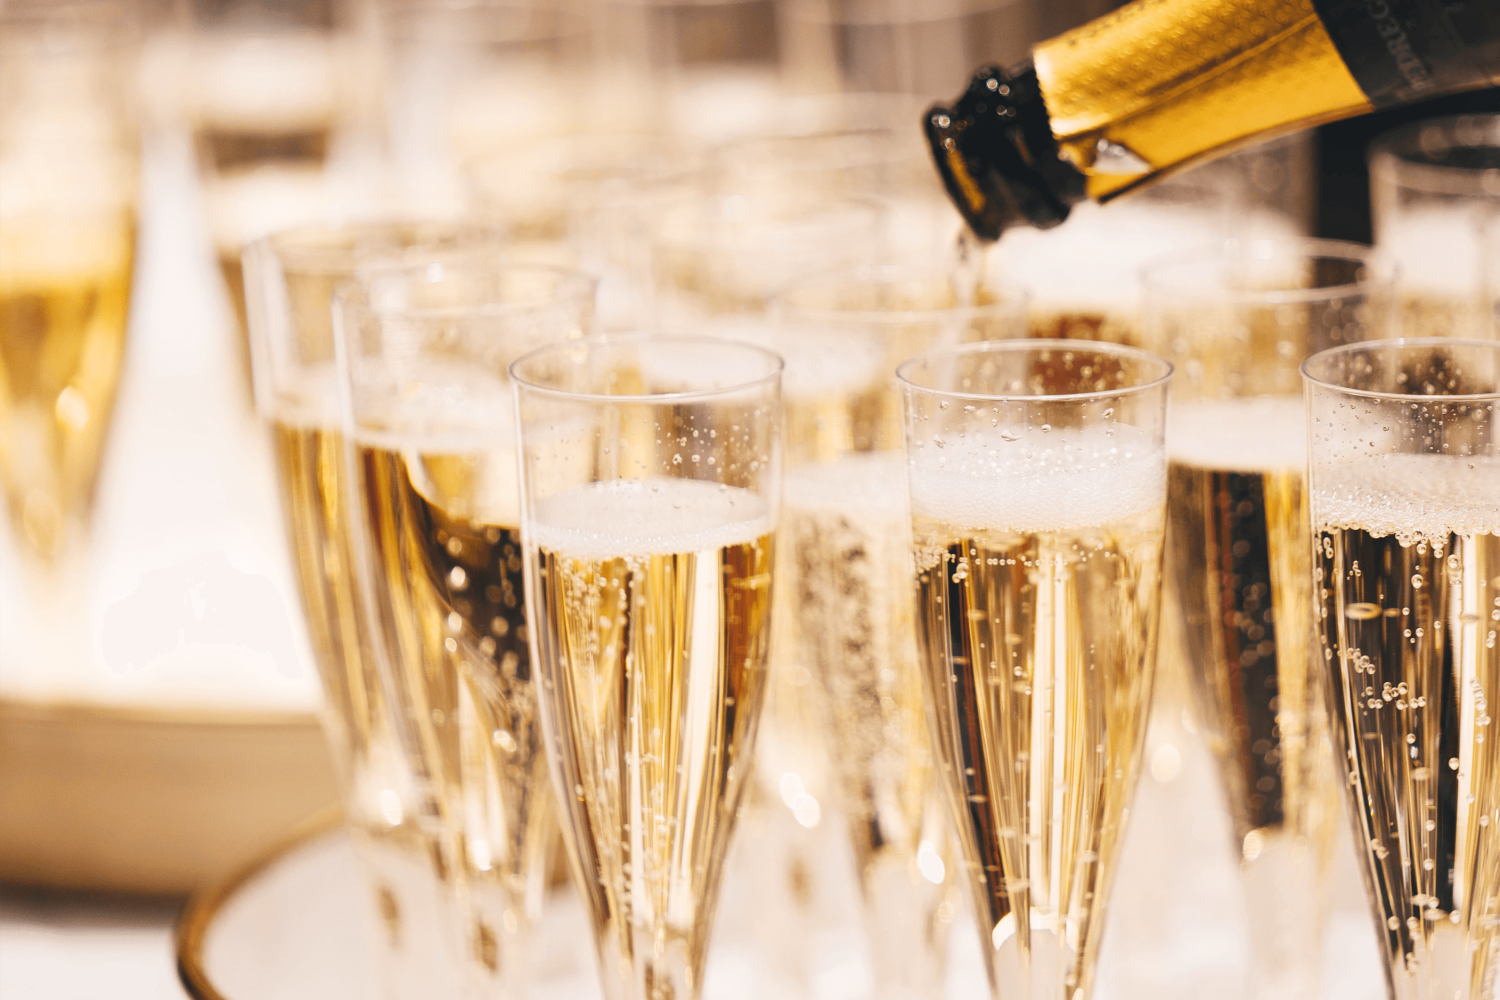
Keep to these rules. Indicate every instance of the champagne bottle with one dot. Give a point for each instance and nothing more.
(1159, 85)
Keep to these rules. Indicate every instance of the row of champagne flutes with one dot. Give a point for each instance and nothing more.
(1056, 528)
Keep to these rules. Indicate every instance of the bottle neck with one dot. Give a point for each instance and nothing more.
(997, 156)
(1159, 85)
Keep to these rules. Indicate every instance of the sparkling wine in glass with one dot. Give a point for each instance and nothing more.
(290, 280)
(1037, 477)
(1237, 319)
(846, 631)
(651, 474)
(429, 416)
(1404, 493)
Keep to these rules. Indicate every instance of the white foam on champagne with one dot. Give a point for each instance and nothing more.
(308, 399)
(1413, 497)
(1259, 434)
(1030, 480)
(434, 406)
(455, 429)
(655, 516)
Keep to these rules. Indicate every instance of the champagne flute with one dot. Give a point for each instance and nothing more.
(430, 420)
(918, 47)
(1434, 205)
(290, 279)
(69, 160)
(1237, 319)
(277, 92)
(651, 475)
(1038, 484)
(845, 618)
(1404, 494)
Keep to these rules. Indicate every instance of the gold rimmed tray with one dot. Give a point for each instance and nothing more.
(150, 800)
(299, 922)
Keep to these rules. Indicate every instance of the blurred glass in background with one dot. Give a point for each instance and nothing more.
(704, 68)
(1435, 201)
(69, 161)
(586, 201)
(926, 47)
(467, 80)
(1084, 276)
(388, 798)
(279, 91)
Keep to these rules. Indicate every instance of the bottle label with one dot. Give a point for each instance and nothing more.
(1405, 50)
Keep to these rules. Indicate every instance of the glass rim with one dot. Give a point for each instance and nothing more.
(1392, 157)
(1015, 298)
(610, 340)
(1153, 284)
(1398, 343)
(355, 292)
(312, 259)
(1038, 344)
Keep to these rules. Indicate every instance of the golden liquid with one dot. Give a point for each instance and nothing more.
(64, 301)
(1113, 327)
(447, 581)
(1039, 650)
(311, 474)
(233, 272)
(1242, 578)
(1430, 314)
(1408, 628)
(655, 667)
(844, 526)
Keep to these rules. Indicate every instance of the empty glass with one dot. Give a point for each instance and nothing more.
(1434, 195)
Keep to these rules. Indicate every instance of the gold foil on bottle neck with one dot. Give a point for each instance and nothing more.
(1175, 80)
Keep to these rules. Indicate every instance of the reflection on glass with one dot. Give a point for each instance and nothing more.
(1433, 202)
